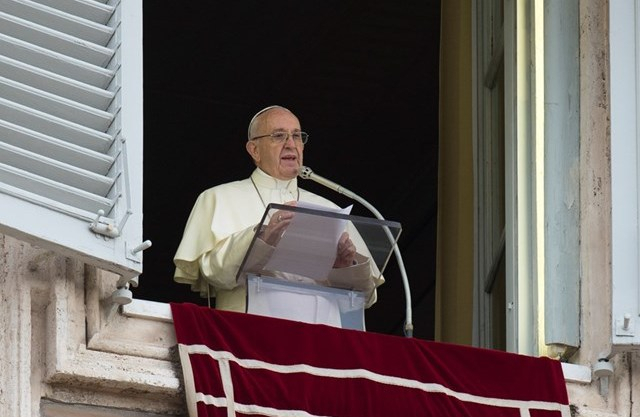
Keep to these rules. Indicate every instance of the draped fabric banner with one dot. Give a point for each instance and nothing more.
(237, 364)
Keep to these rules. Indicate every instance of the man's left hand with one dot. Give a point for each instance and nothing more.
(346, 253)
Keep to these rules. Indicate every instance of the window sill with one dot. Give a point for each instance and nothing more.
(152, 310)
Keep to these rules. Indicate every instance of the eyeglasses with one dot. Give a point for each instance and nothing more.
(281, 137)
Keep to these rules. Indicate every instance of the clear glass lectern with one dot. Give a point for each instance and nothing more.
(292, 276)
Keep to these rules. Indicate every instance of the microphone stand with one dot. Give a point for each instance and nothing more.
(307, 173)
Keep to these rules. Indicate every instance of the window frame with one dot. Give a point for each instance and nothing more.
(624, 34)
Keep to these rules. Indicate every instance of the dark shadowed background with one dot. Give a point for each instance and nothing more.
(361, 76)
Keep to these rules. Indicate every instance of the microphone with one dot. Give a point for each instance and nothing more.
(306, 173)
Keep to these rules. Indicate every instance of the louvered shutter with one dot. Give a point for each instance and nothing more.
(71, 128)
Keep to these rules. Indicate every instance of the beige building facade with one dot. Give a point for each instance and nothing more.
(70, 350)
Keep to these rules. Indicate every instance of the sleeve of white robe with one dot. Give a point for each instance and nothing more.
(196, 240)
(215, 240)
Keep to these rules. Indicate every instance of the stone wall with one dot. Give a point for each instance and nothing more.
(69, 351)
(68, 347)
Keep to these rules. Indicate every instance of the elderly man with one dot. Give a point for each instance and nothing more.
(224, 218)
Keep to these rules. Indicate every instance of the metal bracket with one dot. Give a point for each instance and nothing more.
(122, 294)
(603, 371)
(109, 229)
(133, 253)
(104, 228)
(624, 326)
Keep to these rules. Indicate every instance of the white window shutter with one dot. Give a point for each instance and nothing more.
(71, 128)
(625, 174)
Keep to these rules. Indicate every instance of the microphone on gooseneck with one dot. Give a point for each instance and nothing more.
(306, 173)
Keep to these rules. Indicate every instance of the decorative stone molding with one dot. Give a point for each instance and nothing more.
(67, 344)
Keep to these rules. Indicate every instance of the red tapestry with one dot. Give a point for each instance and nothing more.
(237, 364)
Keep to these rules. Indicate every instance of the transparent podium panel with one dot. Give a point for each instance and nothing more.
(308, 303)
(307, 246)
(292, 269)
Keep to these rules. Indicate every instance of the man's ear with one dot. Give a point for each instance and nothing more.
(252, 149)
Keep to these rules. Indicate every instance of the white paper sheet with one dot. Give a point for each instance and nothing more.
(308, 245)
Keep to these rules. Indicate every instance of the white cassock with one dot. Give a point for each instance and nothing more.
(221, 227)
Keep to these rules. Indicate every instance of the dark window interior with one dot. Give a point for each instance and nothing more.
(362, 78)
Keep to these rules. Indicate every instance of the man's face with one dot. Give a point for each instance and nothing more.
(280, 160)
